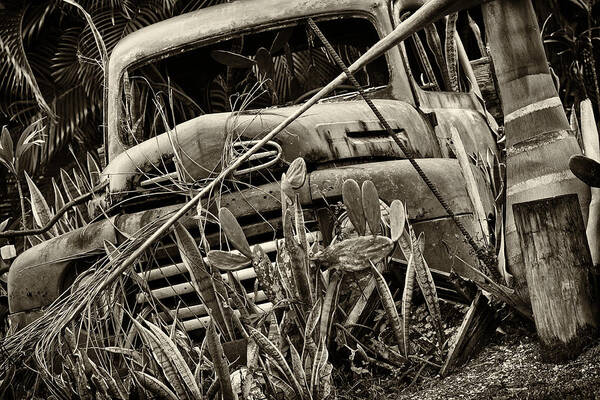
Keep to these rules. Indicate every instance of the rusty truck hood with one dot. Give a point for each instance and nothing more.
(329, 131)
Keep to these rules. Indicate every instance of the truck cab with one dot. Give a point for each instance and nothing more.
(187, 95)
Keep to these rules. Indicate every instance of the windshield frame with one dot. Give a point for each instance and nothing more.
(152, 43)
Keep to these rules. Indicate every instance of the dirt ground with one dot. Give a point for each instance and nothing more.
(509, 367)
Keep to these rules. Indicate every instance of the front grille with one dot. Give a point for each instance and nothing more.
(169, 285)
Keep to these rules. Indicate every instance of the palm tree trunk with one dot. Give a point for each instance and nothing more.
(538, 142)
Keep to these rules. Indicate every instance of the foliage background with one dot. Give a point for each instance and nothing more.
(50, 66)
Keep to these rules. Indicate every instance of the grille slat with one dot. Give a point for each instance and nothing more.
(170, 283)
(202, 322)
(199, 310)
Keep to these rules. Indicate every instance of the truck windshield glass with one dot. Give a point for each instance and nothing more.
(274, 67)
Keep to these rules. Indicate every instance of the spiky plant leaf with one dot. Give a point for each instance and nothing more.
(39, 207)
(68, 185)
(30, 137)
(59, 201)
(371, 207)
(325, 380)
(298, 262)
(352, 197)
(234, 232)
(313, 318)
(156, 388)
(300, 227)
(397, 219)
(297, 367)
(426, 284)
(223, 302)
(80, 182)
(239, 296)
(266, 276)
(329, 305)
(93, 170)
(163, 359)
(409, 284)
(227, 261)
(252, 358)
(272, 351)
(355, 254)
(388, 305)
(274, 333)
(220, 362)
(201, 278)
(171, 350)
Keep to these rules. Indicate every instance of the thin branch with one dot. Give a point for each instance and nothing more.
(83, 198)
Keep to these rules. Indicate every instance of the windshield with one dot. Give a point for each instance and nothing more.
(274, 67)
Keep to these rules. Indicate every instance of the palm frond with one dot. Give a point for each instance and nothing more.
(20, 78)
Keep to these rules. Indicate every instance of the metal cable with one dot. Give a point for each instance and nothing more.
(482, 254)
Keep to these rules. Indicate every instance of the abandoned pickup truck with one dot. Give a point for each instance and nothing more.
(232, 79)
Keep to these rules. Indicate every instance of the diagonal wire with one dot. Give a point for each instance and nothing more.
(482, 254)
